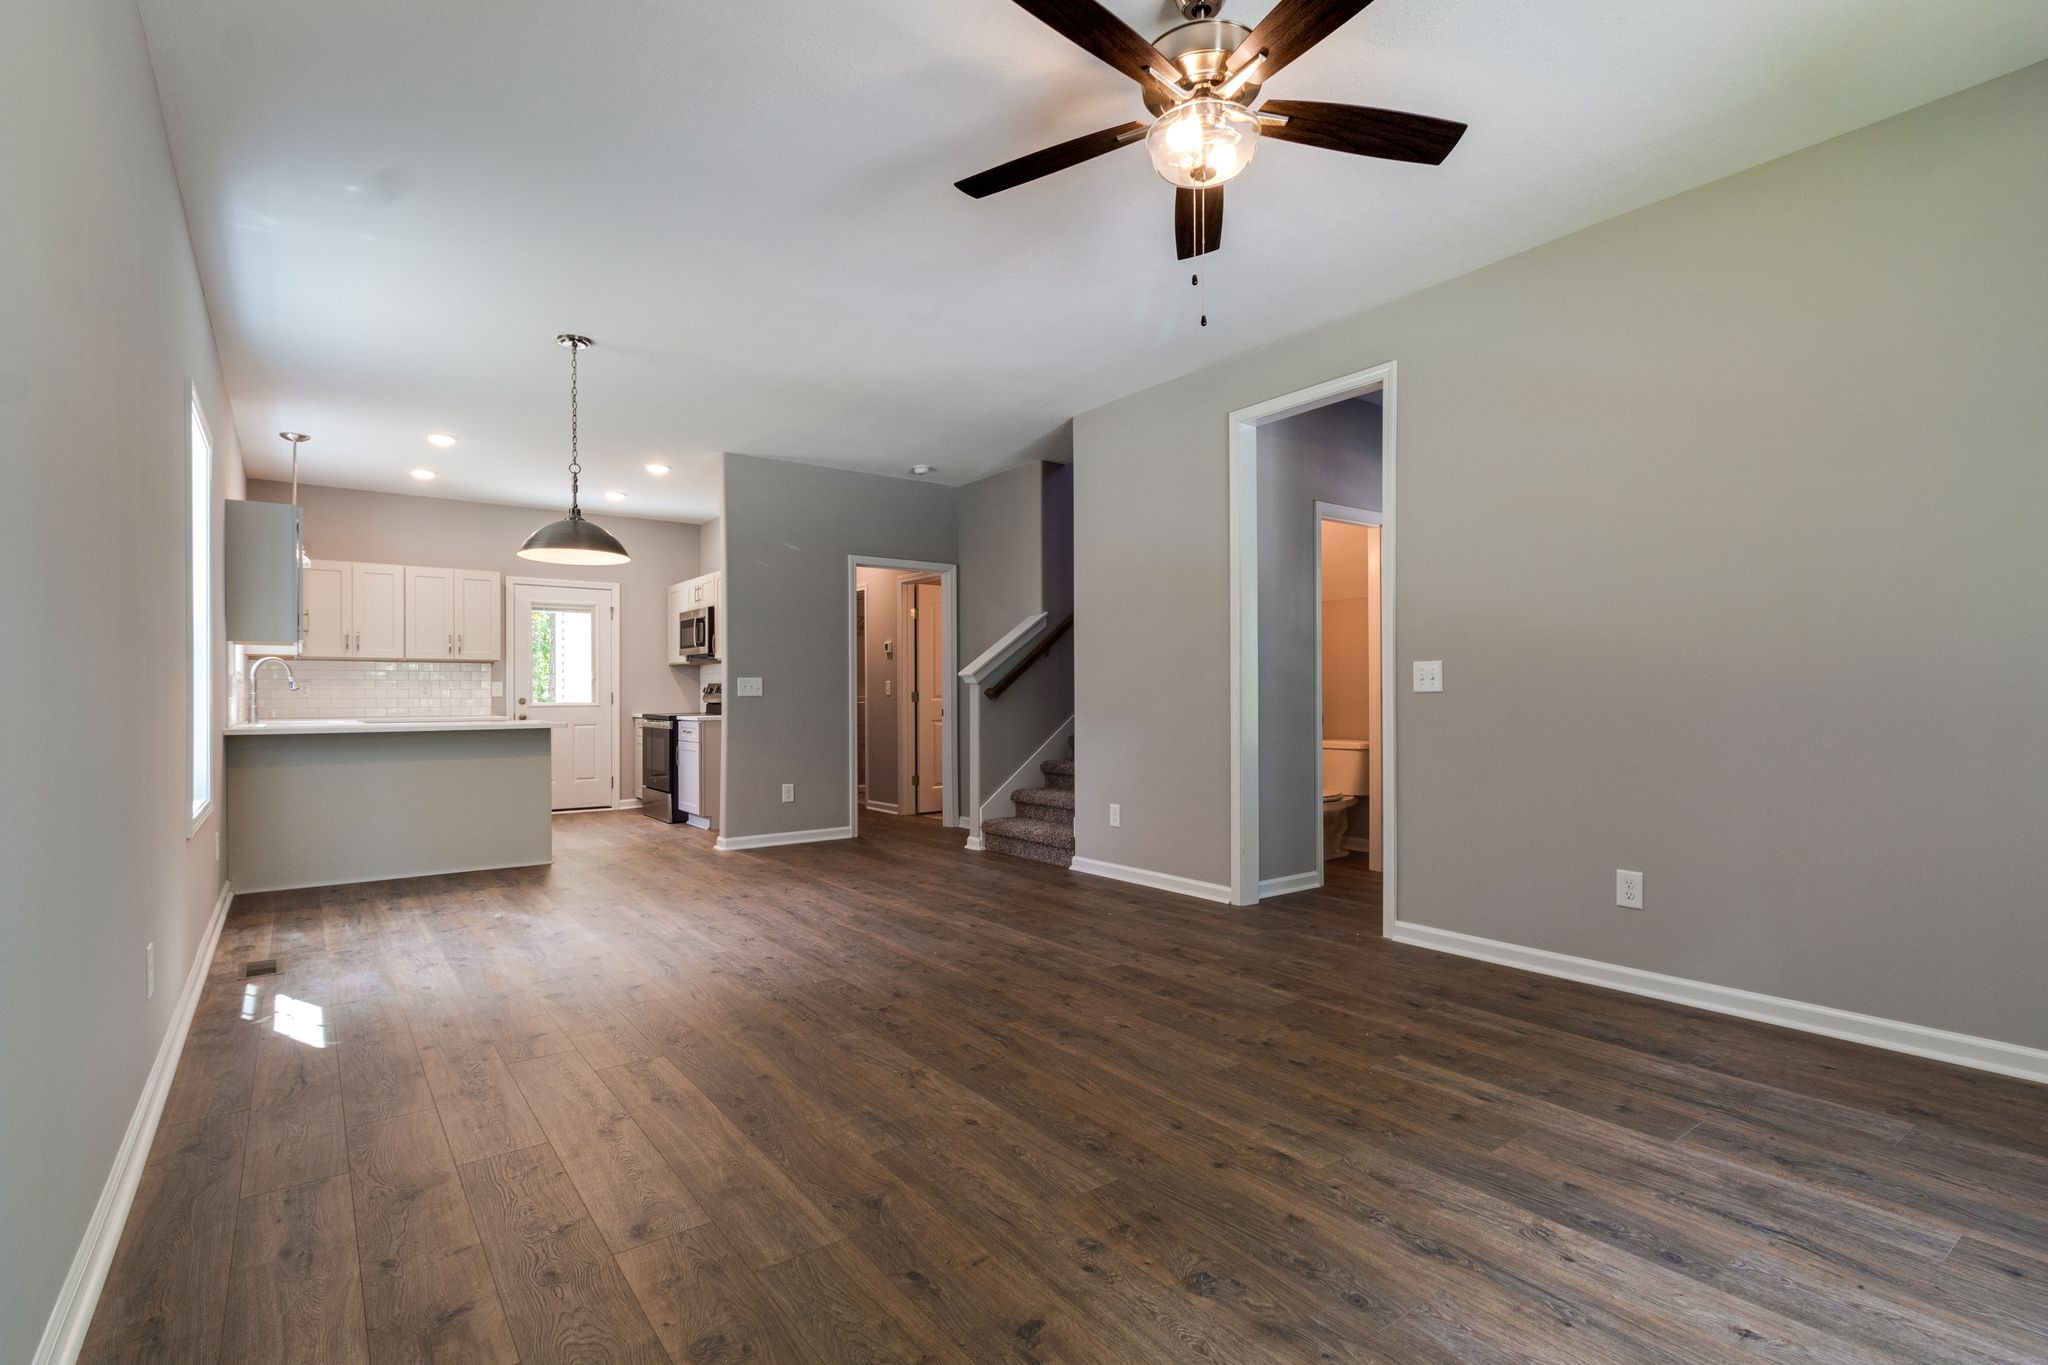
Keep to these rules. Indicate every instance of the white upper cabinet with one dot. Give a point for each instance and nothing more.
(328, 594)
(429, 613)
(379, 608)
(479, 615)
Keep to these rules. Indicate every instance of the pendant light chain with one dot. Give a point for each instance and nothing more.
(575, 462)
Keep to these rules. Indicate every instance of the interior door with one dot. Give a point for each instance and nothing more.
(378, 591)
(429, 613)
(479, 619)
(329, 626)
(930, 706)
(563, 645)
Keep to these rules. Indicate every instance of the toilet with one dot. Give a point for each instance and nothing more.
(1345, 783)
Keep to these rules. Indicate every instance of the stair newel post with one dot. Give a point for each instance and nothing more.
(974, 703)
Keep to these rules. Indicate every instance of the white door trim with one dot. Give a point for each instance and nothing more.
(509, 633)
(1355, 516)
(1244, 622)
(949, 584)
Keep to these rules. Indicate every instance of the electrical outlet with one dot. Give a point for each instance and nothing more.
(497, 689)
(789, 791)
(220, 844)
(888, 687)
(1116, 816)
(1628, 890)
(149, 969)
(1429, 675)
(750, 687)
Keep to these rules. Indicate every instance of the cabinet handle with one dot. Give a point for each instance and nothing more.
(451, 644)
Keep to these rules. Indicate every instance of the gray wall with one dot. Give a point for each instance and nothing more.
(100, 286)
(1726, 517)
(1014, 527)
(1328, 454)
(788, 529)
(393, 528)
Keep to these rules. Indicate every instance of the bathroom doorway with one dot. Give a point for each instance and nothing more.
(1348, 672)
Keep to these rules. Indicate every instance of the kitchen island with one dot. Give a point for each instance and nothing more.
(325, 802)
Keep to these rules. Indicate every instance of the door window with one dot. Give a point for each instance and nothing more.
(564, 656)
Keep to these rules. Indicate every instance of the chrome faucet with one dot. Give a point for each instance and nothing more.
(290, 681)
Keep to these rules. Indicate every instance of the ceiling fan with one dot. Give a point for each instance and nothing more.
(1199, 80)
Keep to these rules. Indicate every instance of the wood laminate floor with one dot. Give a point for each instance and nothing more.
(889, 1101)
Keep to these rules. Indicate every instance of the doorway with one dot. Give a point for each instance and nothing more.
(1247, 759)
(902, 634)
(563, 669)
(1349, 779)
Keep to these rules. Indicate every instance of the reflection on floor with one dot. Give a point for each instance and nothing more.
(886, 1100)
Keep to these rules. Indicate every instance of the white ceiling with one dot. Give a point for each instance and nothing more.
(397, 204)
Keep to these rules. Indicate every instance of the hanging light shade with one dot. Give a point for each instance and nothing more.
(573, 539)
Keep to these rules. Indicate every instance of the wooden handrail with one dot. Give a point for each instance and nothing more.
(1039, 651)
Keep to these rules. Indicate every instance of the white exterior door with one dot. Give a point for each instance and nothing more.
(479, 615)
(429, 613)
(564, 651)
(329, 625)
(378, 602)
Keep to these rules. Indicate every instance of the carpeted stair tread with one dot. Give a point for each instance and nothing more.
(1036, 853)
(1057, 767)
(1024, 830)
(1050, 798)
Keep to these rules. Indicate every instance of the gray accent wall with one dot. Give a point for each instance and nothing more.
(100, 287)
(1327, 454)
(397, 528)
(788, 529)
(1727, 520)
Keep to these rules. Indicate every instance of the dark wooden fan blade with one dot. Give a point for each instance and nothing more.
(1362, 131)
(1049, 159)
(1093, 28)
(1291, 29)
(1197, 221)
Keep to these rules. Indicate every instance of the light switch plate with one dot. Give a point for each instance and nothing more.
(750, 687)
(1429, 675)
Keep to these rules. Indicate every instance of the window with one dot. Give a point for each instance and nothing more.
(564, 655)
(199, 618)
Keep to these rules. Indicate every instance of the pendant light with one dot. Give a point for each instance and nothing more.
(573, 540)
(298, 438)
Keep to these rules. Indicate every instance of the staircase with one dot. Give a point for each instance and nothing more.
(1043, 827)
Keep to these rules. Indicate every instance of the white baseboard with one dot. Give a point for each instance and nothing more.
(975, 845)
(1355, 845)
(1282, 886)
(64, 1335)
(739, 843)
(885, 807)
(1158, 881)
(1981, 1054)
(408, 876)
(998, 805)
(630, 803)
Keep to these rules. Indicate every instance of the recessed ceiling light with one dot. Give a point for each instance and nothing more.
(423, 474)
(920, 470)
(656, 467)
(614, 496)
(441, 439)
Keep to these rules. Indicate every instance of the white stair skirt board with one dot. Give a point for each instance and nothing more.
(999, 806)
(740, 843)
(1282, 886)
(65, 1333)
(1981, 1054)
(1158, 881)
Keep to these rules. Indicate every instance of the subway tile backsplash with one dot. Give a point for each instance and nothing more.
(348, 688)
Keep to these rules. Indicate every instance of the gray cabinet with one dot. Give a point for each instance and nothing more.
(261, 557)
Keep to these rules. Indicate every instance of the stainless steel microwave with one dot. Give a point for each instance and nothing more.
(697, 635)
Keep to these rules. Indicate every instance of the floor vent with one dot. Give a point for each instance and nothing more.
(262, 966)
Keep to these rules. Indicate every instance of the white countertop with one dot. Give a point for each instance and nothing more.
(380, 727)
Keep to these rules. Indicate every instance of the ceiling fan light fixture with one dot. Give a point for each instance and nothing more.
(1203, 143)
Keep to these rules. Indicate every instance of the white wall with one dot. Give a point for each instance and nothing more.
(1726, 518)
(101, 297)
